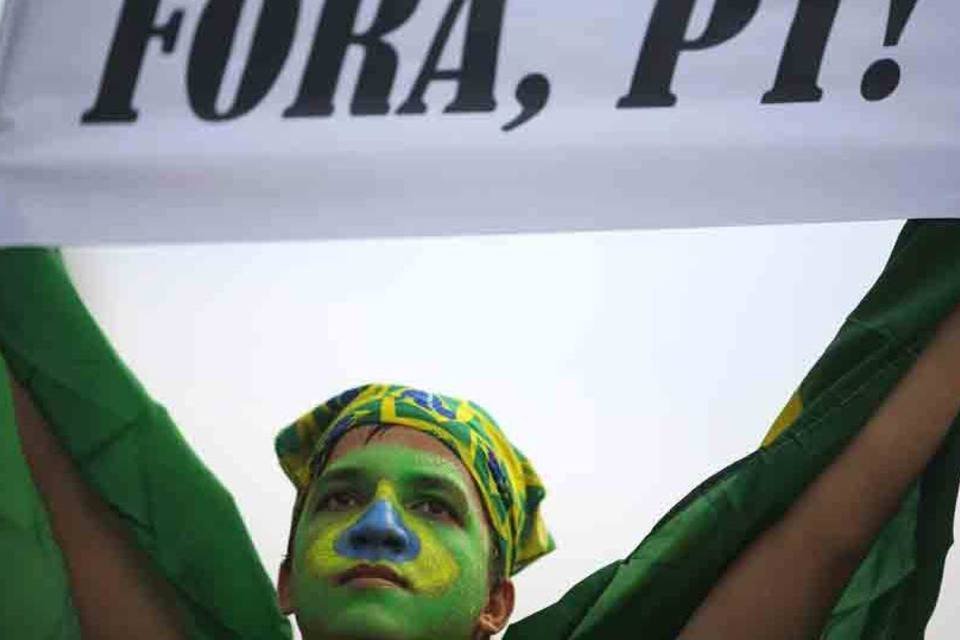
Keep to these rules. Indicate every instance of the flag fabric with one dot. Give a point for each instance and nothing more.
(651, 593)
(131, 453)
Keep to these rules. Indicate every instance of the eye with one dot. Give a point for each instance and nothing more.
(434, 510)
(338, 501)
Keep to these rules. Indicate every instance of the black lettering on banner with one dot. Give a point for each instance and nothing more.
(883, 76)
(803, 53)
(135, 28)
(477, 73)
(532, 93)
(335, 32)
(666, 38)
(211, 53)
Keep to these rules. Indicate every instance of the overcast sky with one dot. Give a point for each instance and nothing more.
(629, 366)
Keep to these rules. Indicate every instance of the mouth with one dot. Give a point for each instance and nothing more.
(365, 576)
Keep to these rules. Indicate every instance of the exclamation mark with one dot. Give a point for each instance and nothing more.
(883, 76)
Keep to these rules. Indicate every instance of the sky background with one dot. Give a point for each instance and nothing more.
(629, 366)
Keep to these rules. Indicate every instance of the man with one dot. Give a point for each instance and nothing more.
(413, 510)
(392, 541)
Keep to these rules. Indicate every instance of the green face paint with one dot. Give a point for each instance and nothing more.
(441, 582)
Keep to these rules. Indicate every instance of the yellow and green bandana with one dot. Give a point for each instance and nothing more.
(508, 484)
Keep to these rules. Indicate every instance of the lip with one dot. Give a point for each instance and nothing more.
(365, 576)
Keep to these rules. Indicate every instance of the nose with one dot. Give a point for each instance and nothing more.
(378, 535)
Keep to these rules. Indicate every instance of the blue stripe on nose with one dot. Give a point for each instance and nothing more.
(378, 535)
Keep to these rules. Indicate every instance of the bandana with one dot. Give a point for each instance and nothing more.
(509, 486)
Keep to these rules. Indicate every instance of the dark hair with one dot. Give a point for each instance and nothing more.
(495, 570)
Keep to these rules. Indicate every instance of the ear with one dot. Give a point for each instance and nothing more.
(499, 607)
(285, 589)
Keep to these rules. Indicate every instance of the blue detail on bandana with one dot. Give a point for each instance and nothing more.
(379, 535)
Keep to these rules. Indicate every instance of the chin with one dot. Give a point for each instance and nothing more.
(369, 625)
(376, 624)
(383, 614)
(361, 621)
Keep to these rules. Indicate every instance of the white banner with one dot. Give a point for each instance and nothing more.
(174, 120)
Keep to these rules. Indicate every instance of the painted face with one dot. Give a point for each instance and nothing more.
(392, 543)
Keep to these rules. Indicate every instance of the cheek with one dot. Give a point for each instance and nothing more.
(437, 568)
(317, 557)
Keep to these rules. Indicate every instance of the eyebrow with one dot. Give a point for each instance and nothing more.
(342, 474)
(442, 483)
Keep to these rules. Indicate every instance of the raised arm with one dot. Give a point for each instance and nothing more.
(785, 583)
(115, 589)
(149, 537)
(770, 546)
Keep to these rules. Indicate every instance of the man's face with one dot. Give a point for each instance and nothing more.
(392, 543)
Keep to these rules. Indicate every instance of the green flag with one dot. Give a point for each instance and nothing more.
(653, 591)
(129, 451)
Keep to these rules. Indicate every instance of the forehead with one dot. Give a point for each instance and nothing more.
(361, 448)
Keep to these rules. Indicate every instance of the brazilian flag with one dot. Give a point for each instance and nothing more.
(653, 592)
(129, 451)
